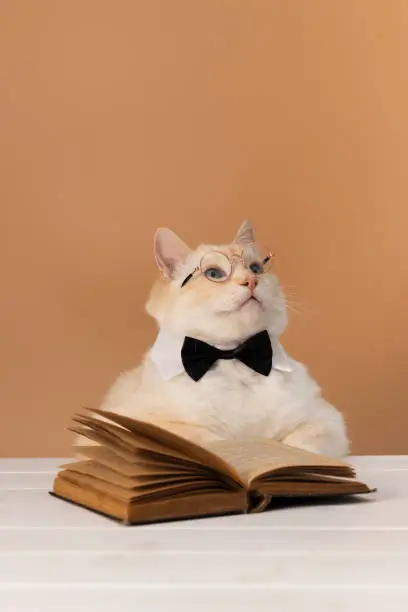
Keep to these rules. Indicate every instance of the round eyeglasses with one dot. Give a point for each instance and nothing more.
(218, 267)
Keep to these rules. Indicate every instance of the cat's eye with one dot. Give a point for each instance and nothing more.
(215, 274)
(256, 267)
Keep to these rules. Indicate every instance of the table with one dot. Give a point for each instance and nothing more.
(348, 556)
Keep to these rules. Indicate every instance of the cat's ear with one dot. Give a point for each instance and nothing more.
(170, 251)
(245, 235)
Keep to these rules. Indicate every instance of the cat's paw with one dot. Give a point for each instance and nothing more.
(319, 438)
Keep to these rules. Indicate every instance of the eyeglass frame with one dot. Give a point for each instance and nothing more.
(231, 260)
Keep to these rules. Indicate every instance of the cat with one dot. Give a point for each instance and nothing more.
(231, 400)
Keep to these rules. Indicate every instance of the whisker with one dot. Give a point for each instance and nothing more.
(292, 287)
(293, 309)
(300, 308)
(295, 302)
(290, 293)
(295, 306)
(289, 289)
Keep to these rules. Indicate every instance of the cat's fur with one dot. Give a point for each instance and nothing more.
(230, 401)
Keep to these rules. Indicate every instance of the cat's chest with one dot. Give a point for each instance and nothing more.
(233, 377)
(234, 395)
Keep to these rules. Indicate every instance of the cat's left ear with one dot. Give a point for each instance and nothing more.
(246, 234)
(170, 251)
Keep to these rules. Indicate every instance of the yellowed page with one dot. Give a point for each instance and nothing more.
(163, 490)
(244, 461)
(255, 458)
(304, 488)
(139, 482)
(171, 441)
(132, 456)
(136, 465)
(131, 440)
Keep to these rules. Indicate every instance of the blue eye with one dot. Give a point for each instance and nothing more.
(215, 274)
(256, 267)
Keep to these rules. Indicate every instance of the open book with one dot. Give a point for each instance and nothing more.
(139, 473)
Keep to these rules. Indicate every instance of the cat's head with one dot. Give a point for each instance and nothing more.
(228, 297)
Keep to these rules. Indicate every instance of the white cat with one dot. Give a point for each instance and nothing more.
(231, 400)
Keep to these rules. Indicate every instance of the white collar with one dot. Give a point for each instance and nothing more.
(166, 355)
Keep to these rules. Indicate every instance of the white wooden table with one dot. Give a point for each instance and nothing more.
(57, 557)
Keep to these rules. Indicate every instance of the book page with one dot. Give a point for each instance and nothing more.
(256, 458)
(137, 465)
(172, 443)
(132, 441)
(151, 491)
(242, 461)
(143, 459)
(140, 481)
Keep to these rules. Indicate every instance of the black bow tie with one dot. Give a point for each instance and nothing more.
(256, 353)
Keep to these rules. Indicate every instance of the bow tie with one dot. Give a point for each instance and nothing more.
(256, 353)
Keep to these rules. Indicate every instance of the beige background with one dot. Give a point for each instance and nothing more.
(117, 117)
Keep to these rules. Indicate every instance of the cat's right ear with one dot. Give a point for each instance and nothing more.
(245, 235)
(169, 251)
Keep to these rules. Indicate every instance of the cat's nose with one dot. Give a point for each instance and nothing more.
(251, 283)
